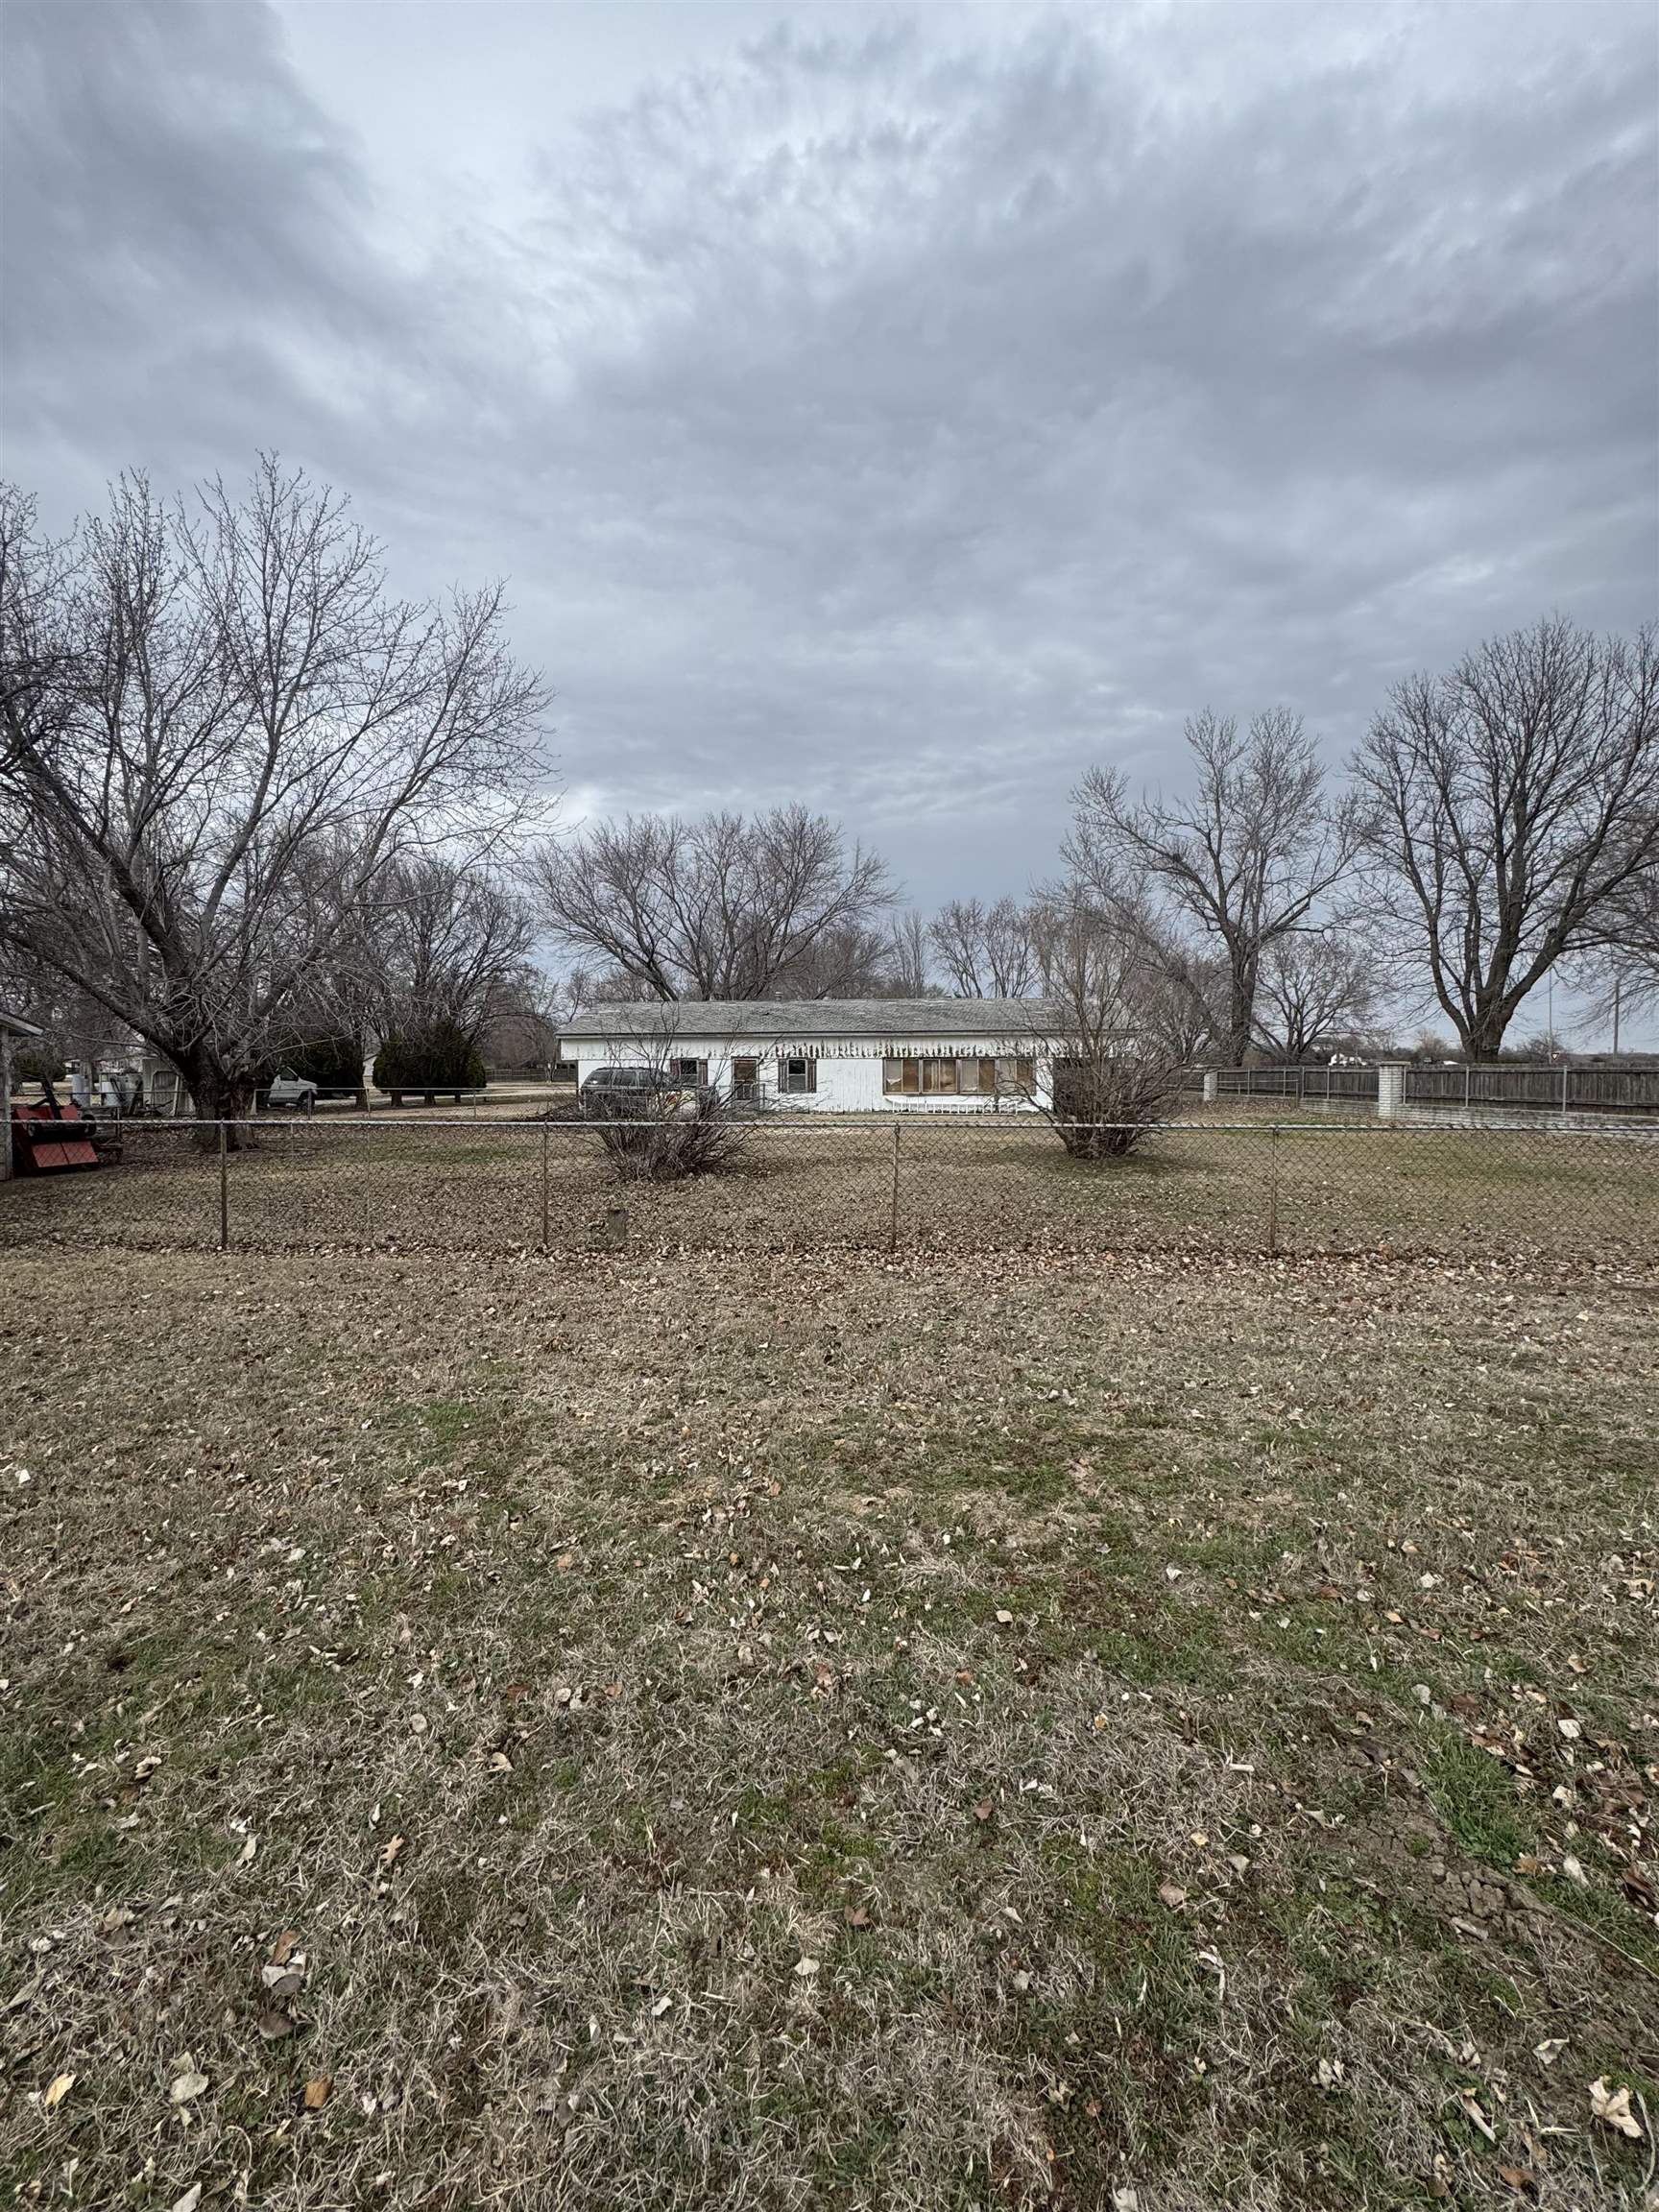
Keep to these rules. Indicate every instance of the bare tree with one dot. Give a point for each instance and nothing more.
(1515, 817)
(447, 947)
(1101, 1026)
(908, 968)
(1258, 846)
(1623, 976)
(220, 738)
(987, 952)
(1316, 986)
(724, 907)
(851, 961)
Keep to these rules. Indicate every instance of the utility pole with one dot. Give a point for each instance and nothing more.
(1618, 986)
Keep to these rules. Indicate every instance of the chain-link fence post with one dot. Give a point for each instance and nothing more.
(892, 1217)
(1273, 1191)
(545, 1240)
(224, 1187)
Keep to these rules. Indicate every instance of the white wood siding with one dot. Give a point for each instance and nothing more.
(850, 1071)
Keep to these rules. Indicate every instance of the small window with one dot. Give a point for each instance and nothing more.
(797, 1075)
(687, 1070)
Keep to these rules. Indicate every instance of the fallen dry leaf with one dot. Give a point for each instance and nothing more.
(389, 1850)
(1172, 1894)
(273, 2024)
(57, 2089)
(806, 1968)
(1612, 2107)
(188, 2203)
(185, 2086)
(317, 2091)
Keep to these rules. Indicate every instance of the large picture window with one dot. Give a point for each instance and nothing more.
(938, 1074)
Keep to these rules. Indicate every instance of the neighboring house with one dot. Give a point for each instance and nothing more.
(846, 1055)
(13, 1031)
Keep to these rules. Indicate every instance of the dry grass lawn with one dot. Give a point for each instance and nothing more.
(992, 1732)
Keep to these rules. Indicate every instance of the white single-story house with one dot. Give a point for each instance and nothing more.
(845, 1055)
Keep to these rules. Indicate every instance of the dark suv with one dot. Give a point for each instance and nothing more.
(640, 1094)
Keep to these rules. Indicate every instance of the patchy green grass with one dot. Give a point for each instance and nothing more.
(967, 1734)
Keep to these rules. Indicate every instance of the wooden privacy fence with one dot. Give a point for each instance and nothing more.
(1564, 1088)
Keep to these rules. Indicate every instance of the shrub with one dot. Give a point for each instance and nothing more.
(439, 1058)
(1103, 1106)
(667, 1142)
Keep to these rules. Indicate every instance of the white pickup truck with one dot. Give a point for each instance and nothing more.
(298, 1092)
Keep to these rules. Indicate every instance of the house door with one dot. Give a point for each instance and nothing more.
(746, 1077)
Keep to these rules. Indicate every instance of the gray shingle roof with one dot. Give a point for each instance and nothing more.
(874, 1019)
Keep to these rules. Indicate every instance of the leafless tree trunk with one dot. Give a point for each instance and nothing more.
(1249, 856)
(219, 741)
(986, 952)
(724, 907)
(1515, 817)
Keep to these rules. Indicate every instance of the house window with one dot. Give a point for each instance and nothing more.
(934, 1076)
(689, 1070)
(797, 1075)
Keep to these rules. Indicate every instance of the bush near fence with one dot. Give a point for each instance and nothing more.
(810, 1183)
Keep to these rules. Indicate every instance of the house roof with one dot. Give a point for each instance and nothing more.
(876, 1020)
(16, 1025)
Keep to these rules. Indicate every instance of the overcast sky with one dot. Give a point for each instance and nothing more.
(896, 408)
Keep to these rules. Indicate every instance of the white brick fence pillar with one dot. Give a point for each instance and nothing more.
(1391, 1093)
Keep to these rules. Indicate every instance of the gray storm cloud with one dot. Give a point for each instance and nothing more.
(895, 411)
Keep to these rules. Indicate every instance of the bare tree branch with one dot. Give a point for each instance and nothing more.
(1516, 814)
(1249, 856)
(220, 740)
(987, 952)
(728, 907)
(1316, 986)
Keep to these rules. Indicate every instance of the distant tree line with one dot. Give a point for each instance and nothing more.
(253, 808)
(1498, 821)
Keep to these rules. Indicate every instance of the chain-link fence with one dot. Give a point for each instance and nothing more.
(993, 1182)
